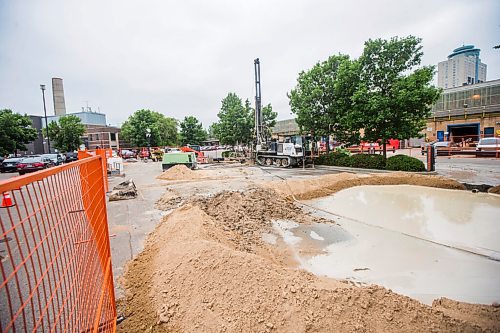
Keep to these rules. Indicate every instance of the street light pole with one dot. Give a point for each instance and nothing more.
(42, 86)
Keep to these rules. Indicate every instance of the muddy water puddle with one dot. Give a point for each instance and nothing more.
(421, 242)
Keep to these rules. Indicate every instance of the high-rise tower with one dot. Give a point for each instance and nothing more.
(463, 67)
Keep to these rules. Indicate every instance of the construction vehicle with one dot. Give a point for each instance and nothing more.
(156, 154)
(199, 155)
(268, 152)
(186, 158)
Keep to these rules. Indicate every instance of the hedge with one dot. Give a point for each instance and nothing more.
(405, 163)
(368, 161)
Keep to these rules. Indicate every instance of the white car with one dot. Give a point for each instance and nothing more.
(488, 144)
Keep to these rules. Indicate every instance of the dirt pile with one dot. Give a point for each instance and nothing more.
(328, 184)
(494, 190)
(179, 172)
(246, 215)
(169, 200)
(486, 316)
(188, 281)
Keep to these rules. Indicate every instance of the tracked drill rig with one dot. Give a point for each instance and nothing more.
(269, 152)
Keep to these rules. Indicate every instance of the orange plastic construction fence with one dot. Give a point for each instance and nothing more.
(55, 263)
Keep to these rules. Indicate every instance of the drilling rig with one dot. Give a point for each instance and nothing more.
(269, 152)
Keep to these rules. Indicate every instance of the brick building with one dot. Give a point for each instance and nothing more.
(468, 112)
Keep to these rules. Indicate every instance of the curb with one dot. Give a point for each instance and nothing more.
(358, 170)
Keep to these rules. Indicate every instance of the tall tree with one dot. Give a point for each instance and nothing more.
(235, 121)
(163, 130)
(15, 131)
(213, 131)
(268, 119)
(321, 98)
(392, 100)
(66, 133)
(192, 131)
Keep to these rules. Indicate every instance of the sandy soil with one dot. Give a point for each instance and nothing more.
(494, 190)
(180, 172)
(304, 189)
(206, 269)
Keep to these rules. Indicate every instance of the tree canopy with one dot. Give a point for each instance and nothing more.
(393, 100)
(268, 119)
(321, 98)
(15, 131)
(381, 93)
(163, 130)
(235, 123)
(65, 134)
(192, 131)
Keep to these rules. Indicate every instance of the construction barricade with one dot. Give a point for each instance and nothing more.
(55, 255)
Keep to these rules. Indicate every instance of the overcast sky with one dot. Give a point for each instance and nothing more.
(182, 57)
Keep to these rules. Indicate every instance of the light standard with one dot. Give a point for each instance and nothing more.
(148, 137)
(42, 86)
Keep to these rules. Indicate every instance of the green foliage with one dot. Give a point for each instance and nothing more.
(335, 159)
(404, 163)
(363, 161)
(381, 92)
(213, 131)
(392, 101)
(192, 131)
(15, 131)
(367, 161)
(235, 123)
(65, 135)
(163, 129)
(322, 99)
(268, 119)
(342, 150)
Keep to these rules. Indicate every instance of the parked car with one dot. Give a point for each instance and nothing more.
(441, 147)
(56, 159)
(10, 164)
(32, 164)
(71, 157)
(126, 154)
(488, 145)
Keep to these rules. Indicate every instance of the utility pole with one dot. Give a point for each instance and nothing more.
(42, 86)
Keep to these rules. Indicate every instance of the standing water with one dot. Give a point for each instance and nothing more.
(422, 242)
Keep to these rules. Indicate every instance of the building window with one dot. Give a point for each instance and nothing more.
(489, 132)
(112, 136)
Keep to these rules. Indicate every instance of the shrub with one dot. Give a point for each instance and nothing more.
(366, 161)
(335, 158)
(404, 163)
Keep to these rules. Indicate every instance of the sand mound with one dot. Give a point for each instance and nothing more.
(179, 172)
(246, 215)
(197, 284)
(193, 277)
(328, 184)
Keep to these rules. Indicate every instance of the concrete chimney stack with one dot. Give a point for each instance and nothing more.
(58, 95)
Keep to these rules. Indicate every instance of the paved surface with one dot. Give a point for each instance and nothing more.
(130, 221)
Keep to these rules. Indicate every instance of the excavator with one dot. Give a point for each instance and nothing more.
(291, 152)
(200, 157)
